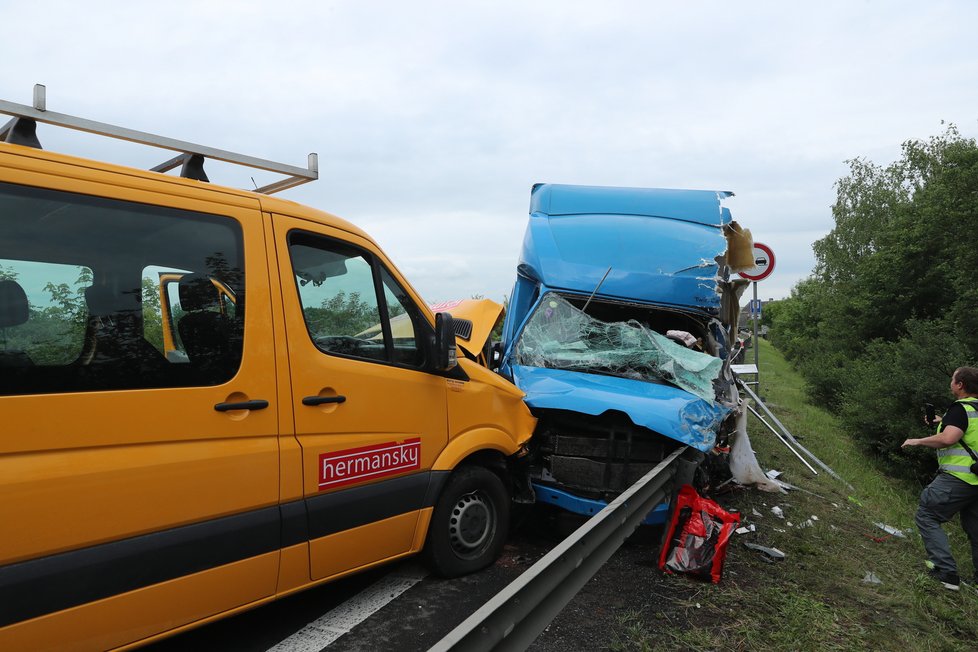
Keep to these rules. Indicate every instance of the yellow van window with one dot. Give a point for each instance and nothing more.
(80, 295)
(351, 305)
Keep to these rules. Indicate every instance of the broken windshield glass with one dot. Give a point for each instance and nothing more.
(560, 336)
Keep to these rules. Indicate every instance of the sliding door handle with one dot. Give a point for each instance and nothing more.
(243, 405)
(321, 400)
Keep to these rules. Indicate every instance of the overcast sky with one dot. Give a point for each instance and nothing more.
(432, 120)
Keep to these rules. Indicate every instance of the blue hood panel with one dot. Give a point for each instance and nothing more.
(665, 409)
(660, 244)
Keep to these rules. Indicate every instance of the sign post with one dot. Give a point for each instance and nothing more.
(763, 266)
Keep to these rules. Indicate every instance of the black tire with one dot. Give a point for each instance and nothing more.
(469, 524)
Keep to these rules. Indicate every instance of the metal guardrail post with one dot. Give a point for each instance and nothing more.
(514, 618)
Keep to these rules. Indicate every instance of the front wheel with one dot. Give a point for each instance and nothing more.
(469, 524)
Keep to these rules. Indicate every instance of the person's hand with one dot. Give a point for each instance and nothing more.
(909, 442)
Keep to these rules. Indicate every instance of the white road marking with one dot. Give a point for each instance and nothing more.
(341, 619)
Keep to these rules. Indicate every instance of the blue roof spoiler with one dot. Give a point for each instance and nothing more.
(700, 206)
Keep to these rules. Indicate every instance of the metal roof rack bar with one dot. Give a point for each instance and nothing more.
(23, 114)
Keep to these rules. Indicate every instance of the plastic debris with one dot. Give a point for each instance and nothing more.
(743, 462)
(771, 553)
(773, 474)
(777, 511)
(777, 529)
(755, 512)
(790, 524)
(814, 518)
(698, 534)
(891, 530)
(746, 529)
(808, 523)
(871, 578)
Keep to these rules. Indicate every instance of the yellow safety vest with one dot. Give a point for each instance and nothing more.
(954, 459)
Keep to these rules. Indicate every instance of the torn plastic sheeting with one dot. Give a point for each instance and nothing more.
(743, 462)
(697, 539)
(560, 336)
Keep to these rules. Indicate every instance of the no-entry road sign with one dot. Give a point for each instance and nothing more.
(763, 263)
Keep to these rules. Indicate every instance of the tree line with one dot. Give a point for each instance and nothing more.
(892, 305)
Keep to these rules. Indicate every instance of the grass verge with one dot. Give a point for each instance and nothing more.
(817, 597)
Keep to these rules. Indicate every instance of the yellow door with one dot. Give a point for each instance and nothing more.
(138, 491)
(369, 415)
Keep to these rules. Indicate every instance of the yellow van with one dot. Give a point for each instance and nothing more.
(195, 418)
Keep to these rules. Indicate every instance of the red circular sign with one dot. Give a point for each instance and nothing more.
(763, 263)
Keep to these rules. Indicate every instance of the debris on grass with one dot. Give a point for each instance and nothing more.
(871, 578)
(773, 474)
(777, 511)
(745, 529)
(889, 529)
(771, 554)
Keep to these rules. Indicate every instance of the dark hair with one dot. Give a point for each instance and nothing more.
(967, 376)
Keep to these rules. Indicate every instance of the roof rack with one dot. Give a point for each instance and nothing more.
(22, 130)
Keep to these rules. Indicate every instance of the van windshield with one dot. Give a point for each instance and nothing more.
(561, 336)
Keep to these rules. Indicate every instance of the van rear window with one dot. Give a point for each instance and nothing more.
(99, 294)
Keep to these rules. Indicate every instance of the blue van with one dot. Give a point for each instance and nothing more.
(617, 330)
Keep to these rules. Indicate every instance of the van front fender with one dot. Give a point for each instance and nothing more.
(473, 441)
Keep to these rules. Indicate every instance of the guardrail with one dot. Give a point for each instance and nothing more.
(515, 616)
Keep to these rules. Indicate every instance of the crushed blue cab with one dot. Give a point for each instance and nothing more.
(589, 506)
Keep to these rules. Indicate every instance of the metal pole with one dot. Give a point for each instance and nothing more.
(783, 440)
(787, 434)
(754, 312)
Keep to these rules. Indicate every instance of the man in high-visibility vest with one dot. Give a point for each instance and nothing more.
(955, 489)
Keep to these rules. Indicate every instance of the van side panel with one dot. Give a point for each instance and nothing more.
(140, 506)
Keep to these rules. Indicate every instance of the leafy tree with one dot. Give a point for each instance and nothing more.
(887, 314)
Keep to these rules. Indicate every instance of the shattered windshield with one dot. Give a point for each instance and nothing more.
(560, 336)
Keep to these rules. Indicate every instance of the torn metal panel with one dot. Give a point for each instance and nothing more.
(662, 408)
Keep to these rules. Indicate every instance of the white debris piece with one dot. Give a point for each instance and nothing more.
(808, 523)
(745, 529)
(743, 462)
(871, 579)
(814, 518)
(755, 512)
(889, 529)
(777, 511)
(773, 474)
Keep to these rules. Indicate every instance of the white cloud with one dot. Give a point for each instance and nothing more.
(433, 119)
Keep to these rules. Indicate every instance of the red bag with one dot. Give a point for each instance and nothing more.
(696, 542)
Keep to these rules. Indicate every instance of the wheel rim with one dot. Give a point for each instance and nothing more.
(472, 524)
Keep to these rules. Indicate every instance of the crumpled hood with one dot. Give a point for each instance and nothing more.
(660, 244)
(665, 409)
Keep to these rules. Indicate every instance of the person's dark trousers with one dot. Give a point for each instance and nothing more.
(939, 502)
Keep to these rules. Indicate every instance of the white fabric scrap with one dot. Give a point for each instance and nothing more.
(743, 462)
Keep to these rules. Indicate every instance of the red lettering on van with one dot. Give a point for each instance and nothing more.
(340, 468)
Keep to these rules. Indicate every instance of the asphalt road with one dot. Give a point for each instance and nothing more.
(427, 609)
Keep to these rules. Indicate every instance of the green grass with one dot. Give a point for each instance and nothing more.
(816, 597)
